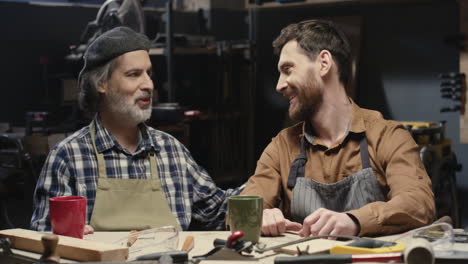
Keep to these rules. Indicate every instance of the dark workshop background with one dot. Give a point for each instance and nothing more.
(403, 49)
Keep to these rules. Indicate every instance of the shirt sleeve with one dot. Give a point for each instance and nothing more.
(266, 181)
(410, 201)
(209, 201)
(54, 181)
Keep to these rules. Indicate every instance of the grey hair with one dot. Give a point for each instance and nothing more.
(90, 81)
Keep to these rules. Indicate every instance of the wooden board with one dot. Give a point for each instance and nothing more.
(68, 247)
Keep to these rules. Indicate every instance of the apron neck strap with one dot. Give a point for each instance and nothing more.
(364, 152)
(153, 166)
(298, 165)
(100, 157)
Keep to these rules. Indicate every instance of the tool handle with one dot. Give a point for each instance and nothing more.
(314, 259)
(177, 256)
(50, 254)
(232, 239)
(188, 244)
(219, 242)
(132, 238)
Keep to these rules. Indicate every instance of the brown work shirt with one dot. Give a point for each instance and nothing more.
(394, 158)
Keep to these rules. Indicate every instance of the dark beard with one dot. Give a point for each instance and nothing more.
(308, 104)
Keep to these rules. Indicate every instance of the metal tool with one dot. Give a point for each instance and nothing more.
(7, 256)
(231, 250)
(344, 258)
(176, 256)
(49, 255)
(259, 248)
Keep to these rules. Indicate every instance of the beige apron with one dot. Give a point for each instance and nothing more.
(128, 204)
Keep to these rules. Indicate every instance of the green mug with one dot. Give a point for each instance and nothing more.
(245, 214)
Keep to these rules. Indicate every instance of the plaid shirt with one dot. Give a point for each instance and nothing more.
(71, 169)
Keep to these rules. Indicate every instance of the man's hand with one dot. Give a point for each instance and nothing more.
(88, 229)
(326, 222)
(274, 223)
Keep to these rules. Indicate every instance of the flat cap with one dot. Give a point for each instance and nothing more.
(112, 44)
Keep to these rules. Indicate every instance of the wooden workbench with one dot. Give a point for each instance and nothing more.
(203, 243)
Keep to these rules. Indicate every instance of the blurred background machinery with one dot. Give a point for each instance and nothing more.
(441, 164)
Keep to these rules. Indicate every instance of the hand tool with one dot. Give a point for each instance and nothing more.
(132, 238)
(50, 254)
(228, 251)
(368, 246)
(177, 256)
(68, 247)
(233, 238)
(239, 246)
(359, 246)
(341, 259)
(7, 255)
(259, 248)
(188, 244)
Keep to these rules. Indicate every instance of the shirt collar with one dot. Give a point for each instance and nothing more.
(356, 125)
(105, 140)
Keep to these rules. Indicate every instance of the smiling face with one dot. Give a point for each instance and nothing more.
(298, 81)
(128, 93)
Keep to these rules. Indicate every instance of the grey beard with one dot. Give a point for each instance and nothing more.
(127, 110)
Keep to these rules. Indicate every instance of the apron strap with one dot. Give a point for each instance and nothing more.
(100, 157)
(154, 167)
(298, 165)
(364, 152)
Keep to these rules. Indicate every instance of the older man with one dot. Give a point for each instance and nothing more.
(342, 169)
(134, 176)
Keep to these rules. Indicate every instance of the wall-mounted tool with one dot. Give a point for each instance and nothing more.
(453, 87)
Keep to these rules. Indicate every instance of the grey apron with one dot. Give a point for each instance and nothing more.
(355, 191)
(128, 204)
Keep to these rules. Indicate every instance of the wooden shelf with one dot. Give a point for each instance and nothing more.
(324, 2)
(184, 51)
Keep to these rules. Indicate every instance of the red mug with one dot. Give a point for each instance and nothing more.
(68, 215)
